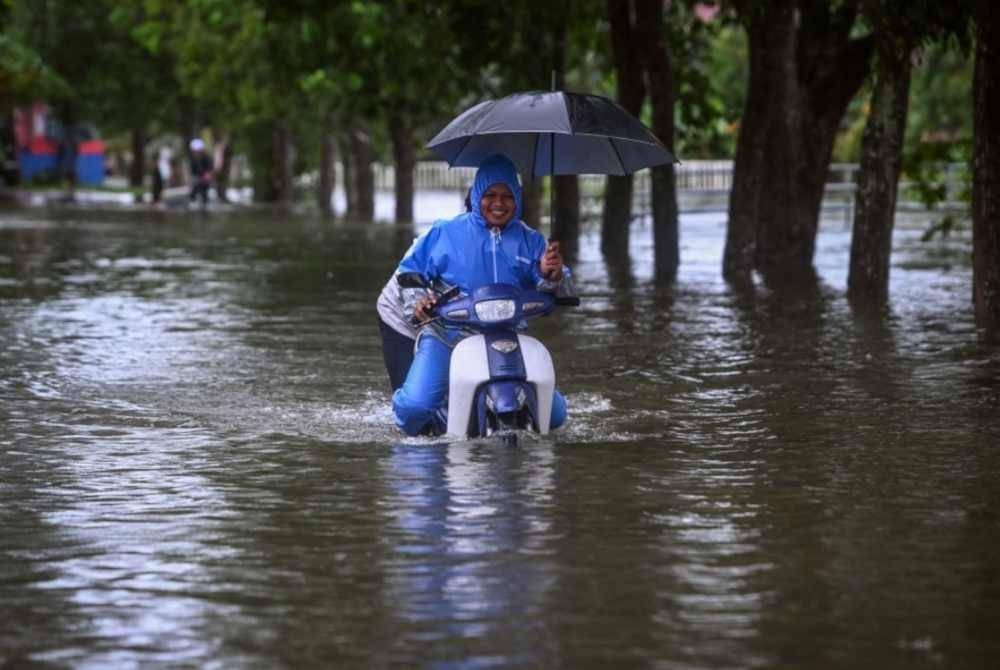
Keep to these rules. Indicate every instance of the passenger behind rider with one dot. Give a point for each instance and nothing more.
(487, 244)
(398, 334)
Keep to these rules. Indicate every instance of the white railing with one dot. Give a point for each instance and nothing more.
(701, 185)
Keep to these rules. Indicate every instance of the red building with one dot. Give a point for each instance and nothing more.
(45, 150)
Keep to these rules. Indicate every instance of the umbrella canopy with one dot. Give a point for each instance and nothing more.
(551, 132)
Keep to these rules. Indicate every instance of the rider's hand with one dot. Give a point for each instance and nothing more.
(551, 264)
(423, 306)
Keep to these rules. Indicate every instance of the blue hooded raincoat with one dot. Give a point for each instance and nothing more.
(466, 252)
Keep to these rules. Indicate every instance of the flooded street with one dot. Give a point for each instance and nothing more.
(198, 466)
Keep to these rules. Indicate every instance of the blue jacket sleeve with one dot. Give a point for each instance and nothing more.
(420, 258)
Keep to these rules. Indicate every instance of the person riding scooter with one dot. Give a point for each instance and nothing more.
(488, 244)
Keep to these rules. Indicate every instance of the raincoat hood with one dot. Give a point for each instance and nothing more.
(496, 169)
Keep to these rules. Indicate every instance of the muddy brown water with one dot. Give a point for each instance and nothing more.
(198, 466)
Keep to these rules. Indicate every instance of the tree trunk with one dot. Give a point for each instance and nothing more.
(829, 68)
(781, 225)
(661, 86)
(137, 170)
(362, 157)
(404, 158)
(805, 69)
(986, 170)
(566, 219)
(764, 32)
(262, 146)
(283, 172)
(881, 161)
(531, 201)
(565, 223)
(327, 174)
(347, 167)
(617, 216)
(223, 161)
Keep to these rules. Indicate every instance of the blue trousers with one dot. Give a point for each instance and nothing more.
(421, 398)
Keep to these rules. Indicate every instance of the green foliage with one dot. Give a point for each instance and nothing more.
(24, 76)
(939, 131)
(99, 72)
(244, 65)
(710, 61)
(940, 107)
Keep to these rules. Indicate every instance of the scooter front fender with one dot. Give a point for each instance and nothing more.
(469, 369)
(542, 375)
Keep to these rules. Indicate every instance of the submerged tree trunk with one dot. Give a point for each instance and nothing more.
(782, 226)
(283, 174)
(565, 223)
(347, 167)
(617, 216)
(881, 161)
(362, 158)
(986, 170)
(805, 68)
(270, 146)
(531, 201)
(660, 82)
(137, 170)
(769, 36)
(566, 218)
(327, 157)
(404, 158)
(223, 162)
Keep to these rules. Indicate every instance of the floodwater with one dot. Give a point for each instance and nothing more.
(198, 466)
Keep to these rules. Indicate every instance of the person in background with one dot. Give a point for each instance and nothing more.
(201, 171)
(161, 172)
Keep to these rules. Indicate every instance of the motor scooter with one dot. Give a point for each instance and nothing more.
(500, 380)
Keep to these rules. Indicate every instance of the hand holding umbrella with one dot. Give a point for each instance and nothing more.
(551, 263)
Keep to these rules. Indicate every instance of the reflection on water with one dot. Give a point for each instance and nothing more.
(198, 465)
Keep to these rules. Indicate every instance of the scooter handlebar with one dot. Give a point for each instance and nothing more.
(441, 298)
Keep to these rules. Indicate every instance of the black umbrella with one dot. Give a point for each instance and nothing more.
(552, 132)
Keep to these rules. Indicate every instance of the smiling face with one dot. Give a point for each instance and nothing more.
(497, 205)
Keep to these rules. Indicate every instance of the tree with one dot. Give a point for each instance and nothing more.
(881, 160)
(986, 169)
(411, 88)
(898, 28)
(616, 218)
(661, 84)
(805, 66)
(565, 223)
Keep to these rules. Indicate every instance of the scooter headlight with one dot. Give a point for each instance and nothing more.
(495, 310)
